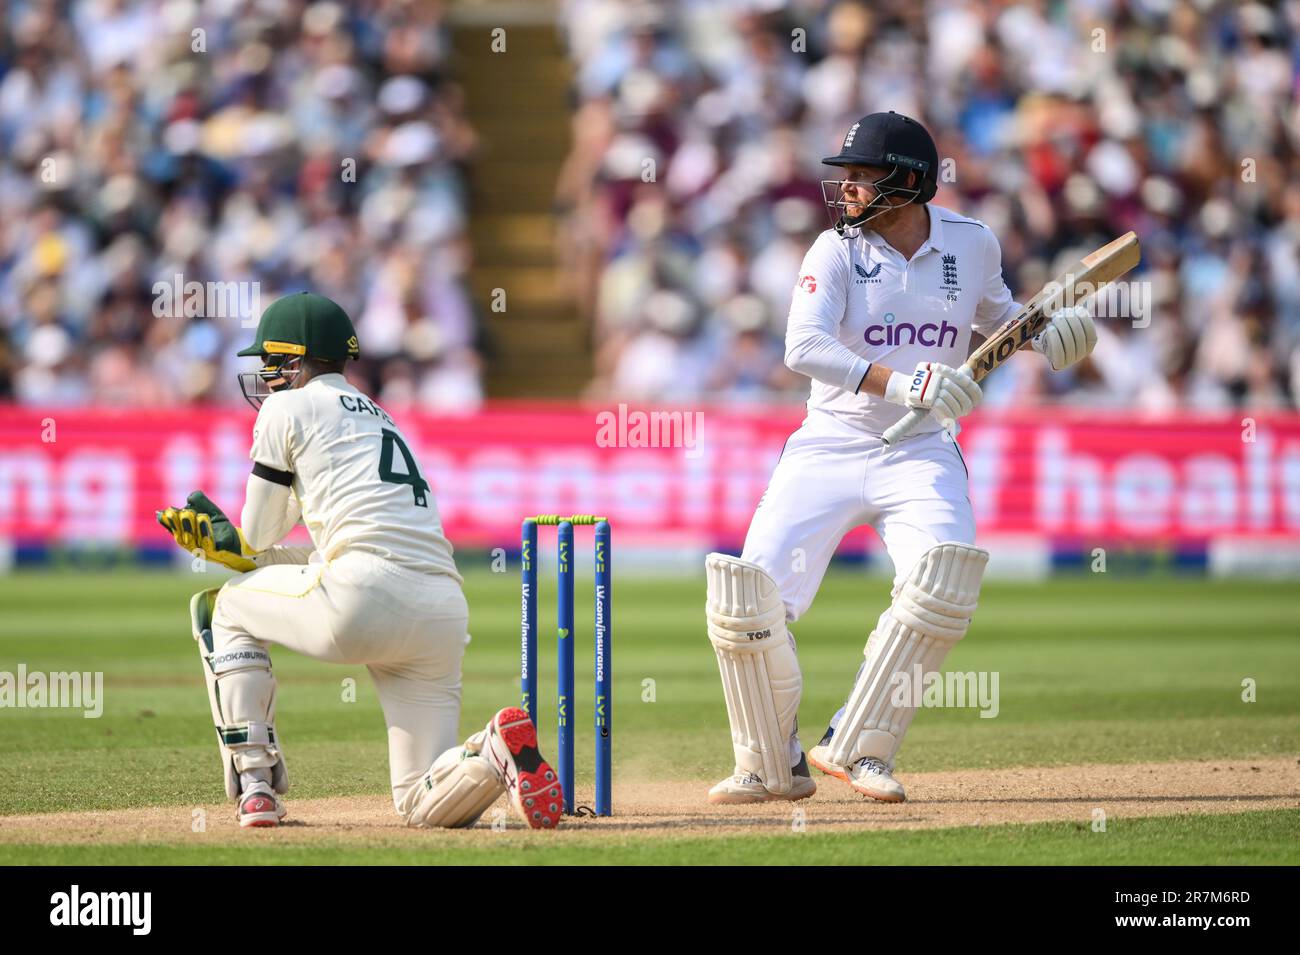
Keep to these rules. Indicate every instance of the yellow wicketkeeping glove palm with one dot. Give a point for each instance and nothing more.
(201, 526)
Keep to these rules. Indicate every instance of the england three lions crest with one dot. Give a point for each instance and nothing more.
(949, 286)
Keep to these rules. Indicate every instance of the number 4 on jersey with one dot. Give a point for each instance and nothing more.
(412, 476)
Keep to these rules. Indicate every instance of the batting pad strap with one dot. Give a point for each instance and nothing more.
(247, 734)
(743, 602)
(239, 658)
(940, 595)
(251, 746)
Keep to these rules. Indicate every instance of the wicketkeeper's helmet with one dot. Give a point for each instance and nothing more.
(292, 328)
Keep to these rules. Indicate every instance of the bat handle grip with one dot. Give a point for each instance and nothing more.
(904, 426)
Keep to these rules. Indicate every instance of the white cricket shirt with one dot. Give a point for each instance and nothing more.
(354, 473)
(857, 301)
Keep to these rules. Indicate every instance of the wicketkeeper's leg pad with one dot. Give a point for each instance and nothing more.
(457, 789)
(931, 612)
(759, 668)
(241, 691)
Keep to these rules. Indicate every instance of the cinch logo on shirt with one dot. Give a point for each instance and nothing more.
(808, 283)
(905, 333)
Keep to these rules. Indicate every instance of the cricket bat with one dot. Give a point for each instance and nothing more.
(1089, 275)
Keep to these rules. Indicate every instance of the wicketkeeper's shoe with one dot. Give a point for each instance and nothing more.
(743, 787)
(532, 785)
(260, 807)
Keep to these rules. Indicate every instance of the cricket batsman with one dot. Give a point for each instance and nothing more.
(378, 587)
(884, 311)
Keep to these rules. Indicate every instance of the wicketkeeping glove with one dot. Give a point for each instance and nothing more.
(202, 526)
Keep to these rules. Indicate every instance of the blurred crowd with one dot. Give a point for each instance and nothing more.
(275, 144)
(281, 144)
(691, 193)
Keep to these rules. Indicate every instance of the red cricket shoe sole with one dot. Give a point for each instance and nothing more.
(538, 796)
(258, 812)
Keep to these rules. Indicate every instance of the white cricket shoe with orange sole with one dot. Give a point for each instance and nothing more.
(869, 776)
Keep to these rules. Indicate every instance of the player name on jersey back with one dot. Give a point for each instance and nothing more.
(355, 475)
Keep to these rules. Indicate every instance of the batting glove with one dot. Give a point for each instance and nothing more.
(1069, 336)
(946, 391)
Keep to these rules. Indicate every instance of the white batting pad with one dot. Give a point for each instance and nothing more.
(930, 613)
(760, 672)
(456, 790)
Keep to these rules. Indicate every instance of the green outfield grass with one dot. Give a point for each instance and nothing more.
(1091, 669)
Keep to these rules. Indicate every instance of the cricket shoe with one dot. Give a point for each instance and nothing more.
(533, 787)
(869, 776)
(875, 778)
(820, 756)
(260, 807)
(742, 787)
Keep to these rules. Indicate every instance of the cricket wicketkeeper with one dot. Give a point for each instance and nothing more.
(883, 315)
(379, 586)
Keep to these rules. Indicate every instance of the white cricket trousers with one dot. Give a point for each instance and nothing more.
(833, 478)
(409, 629)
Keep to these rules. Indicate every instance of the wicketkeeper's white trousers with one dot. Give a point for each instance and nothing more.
(409, 629)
